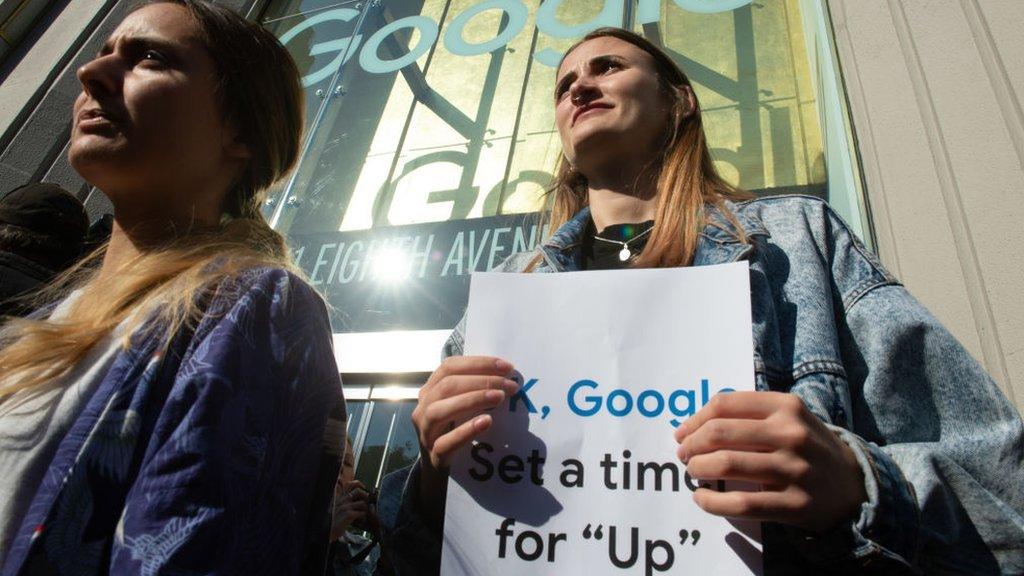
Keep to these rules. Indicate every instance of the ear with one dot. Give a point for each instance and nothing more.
(686, 93)
(238, 151)
(233, 147)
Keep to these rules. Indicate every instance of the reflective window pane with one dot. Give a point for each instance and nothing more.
(389, 444)
(356, 411)
(431, 140)
(750, 71)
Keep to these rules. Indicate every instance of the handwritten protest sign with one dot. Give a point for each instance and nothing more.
(578, 474)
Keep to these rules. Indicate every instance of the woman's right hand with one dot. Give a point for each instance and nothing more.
(451, 412)
(351, 504)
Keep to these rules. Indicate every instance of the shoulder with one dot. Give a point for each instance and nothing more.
(798, 220)
(519, 261)
(807, 234)
(273, 289)
(789, 213)
(265, 335)
(284, 283)
(259, 308)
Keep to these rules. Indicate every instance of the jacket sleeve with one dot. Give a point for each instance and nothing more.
(414, 543)
(246, 443)
(941, 448)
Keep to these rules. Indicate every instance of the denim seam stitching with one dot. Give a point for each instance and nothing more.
(801, 370)
(864, 287)
(818, 367)
(870, 257)
(898, 482)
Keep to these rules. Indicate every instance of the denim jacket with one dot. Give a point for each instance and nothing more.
(216, 455)
(941, 448)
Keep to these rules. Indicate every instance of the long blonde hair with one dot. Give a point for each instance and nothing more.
(686, 178)
(260, 95)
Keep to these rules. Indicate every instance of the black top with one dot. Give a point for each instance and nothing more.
(600, 255)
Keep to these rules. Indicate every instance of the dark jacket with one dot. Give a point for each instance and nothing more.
(217, 456)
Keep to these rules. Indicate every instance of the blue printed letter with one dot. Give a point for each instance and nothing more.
(595, 401)
(522, 396)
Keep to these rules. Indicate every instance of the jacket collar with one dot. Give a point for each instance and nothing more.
(719, 242)
(571, 233)
(560, 250)
(720, 229)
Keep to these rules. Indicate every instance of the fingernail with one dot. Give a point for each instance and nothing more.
(511, 384)
(682, 454)
(495, 395)
(480, 422)
(502, 365)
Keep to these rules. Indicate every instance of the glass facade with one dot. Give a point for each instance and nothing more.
(380, 427)
(430, 141)
(430, 131)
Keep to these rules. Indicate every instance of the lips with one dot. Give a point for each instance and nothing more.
(97, 118)
(588, 107)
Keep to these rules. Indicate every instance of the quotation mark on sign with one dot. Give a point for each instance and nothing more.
(597, 534)
(683, 535)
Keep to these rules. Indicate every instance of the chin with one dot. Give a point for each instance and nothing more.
(599, 145)
(99, 166)
(89, 149)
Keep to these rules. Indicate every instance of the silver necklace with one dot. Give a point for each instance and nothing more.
(625, 253)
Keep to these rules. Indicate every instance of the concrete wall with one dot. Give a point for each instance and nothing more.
(934, 88)
(17, 19)
(41, 60)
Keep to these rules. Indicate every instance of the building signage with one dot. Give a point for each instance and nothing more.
(412, 277)
(548, 23)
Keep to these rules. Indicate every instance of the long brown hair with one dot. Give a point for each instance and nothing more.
(260, 96)
(687, 181)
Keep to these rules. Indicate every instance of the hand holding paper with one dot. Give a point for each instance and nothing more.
(451, 412)
(811, 478)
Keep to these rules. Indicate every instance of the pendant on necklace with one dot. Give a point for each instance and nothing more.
(624, 254)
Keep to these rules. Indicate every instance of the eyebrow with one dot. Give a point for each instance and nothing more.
(134, 43)
(594, 62)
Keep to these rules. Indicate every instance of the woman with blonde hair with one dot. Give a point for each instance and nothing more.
(880, 444)
(178, 410)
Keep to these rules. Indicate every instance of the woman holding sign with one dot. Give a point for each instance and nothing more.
(879, 442)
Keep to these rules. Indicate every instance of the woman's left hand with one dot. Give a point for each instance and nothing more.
(810, 477)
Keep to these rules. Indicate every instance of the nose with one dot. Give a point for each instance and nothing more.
(583, 90)
(100, 76)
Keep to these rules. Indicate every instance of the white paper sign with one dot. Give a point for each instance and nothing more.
(578, 474)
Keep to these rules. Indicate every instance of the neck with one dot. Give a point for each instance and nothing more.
(619, 201)
(133, 234)
(121, 249)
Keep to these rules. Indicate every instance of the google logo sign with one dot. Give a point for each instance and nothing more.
(648, 11)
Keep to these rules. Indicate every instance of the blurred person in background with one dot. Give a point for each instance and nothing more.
(355, 511)
(178, 410)
(42, 233)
